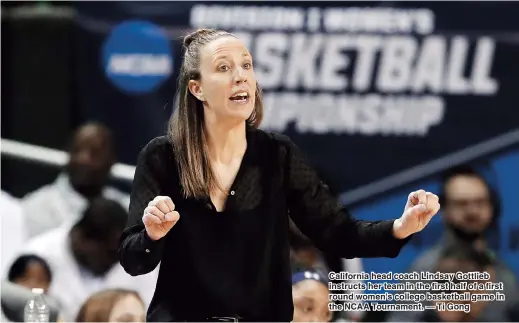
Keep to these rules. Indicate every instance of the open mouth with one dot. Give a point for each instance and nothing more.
(242, 97)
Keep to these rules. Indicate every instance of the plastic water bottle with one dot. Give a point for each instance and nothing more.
(37, 310)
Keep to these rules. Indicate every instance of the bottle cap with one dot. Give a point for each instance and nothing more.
(37, 290)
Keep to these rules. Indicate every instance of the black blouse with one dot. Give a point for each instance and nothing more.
(236, 262)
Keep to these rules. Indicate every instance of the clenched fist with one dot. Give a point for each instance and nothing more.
(421, 206)
(159, 217)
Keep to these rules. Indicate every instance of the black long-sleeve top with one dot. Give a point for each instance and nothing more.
(236, 262)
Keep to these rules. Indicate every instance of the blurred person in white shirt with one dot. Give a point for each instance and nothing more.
(91, 157)
(13, 231)
(83, 257)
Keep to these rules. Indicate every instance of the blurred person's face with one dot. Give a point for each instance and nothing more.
(225, 69)
(468, 208)
(98, 256)
(310, 302)
(91, 158)
(35, 276)
(128, 309)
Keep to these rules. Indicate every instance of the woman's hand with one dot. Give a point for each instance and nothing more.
(421, 206)
(159, 217)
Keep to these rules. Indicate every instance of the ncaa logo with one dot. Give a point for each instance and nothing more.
(137, 56)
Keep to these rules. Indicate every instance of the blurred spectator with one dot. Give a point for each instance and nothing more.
(458, 258)
(466, 259)
(85, 177)
(470, 208)
(113, 305)
(470, 211)
(13, 232)
(310, 295)
(84, 259)
(30, 271)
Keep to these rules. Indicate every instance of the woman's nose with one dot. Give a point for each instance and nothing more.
(240, 75)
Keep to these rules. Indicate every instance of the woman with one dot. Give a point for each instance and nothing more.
(112, 305)
(228, 258)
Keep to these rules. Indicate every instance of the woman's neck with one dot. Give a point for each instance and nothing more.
(225, 142)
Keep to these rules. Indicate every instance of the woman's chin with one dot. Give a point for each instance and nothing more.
(240, 111)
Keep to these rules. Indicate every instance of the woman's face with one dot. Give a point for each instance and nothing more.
(310, 302)
(35, 276)
(128, 309)
(226, 70)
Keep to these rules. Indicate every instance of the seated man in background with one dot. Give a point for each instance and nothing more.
(85, 177)
(30, 271)
(470, 212)
(83, 257)
(310, 296)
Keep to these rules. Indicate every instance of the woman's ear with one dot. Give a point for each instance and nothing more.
(196, 89)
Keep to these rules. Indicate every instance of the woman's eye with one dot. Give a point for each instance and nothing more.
(247, 65)
(224, 68)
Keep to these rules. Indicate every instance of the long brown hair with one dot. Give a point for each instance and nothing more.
(186, 126)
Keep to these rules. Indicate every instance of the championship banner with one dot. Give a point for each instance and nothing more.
(365, 90)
